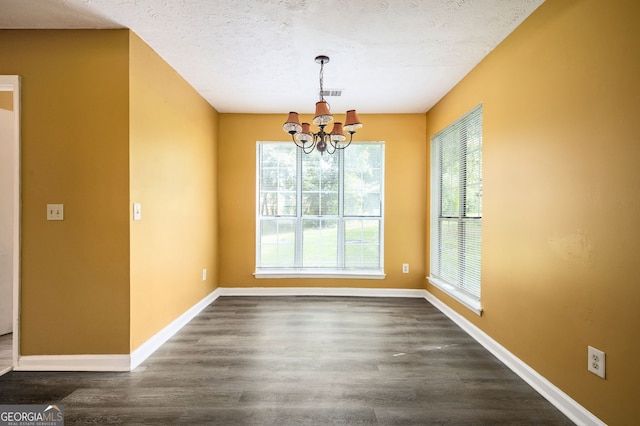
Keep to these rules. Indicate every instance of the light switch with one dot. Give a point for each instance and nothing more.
(137, 211)
(55, 211)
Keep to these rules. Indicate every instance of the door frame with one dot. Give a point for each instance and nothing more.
(11, 83)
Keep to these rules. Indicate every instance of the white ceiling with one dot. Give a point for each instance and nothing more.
(257, 56)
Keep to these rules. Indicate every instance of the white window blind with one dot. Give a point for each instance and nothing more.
(319, 213)
(456, 207)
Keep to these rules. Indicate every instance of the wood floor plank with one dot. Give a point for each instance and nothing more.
(301, 361)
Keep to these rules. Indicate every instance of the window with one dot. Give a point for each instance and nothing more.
(456, 209)
(319, 214)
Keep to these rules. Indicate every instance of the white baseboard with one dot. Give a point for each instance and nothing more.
(73, 363)
(124, 362)
(150, 346)
(321, 291)
(563, 402)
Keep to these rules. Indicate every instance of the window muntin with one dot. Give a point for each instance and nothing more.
(320, 212)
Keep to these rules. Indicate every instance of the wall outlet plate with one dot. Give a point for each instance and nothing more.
(596, 361)
(137, 211)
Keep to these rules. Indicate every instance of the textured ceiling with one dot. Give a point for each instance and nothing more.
(257, 56)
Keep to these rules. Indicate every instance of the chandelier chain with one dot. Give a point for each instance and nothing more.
(322, 83)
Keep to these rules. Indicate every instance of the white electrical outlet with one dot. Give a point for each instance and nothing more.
(55, 211)
(405, 268)
(596, 361)
(204, 274)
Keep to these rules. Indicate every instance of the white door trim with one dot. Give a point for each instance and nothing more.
(11, 83)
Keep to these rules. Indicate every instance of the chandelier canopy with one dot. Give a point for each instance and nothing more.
(307, 140)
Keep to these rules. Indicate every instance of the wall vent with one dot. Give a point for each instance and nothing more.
(331, 92)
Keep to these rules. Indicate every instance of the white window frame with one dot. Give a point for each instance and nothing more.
(306, 272)
(453, 289)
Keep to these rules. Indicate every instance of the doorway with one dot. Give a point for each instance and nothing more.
(9, 220)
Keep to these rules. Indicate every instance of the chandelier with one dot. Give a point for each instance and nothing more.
(307, 140)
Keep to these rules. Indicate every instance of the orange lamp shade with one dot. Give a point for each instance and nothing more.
(305, 135)
(292, 125)
(352, 122)
(323, 115)
(337, 134)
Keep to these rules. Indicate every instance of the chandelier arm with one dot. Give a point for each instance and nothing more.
(293, 138)
(336, 145)
(343, 147)
(299, 146)
(348, 143)
(330, 144)
(308, 148)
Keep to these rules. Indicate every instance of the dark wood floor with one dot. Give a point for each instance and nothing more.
(301, 361)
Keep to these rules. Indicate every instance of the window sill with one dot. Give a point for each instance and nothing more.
(320, 273)
(463, 298)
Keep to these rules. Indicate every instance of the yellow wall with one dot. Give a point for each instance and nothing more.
(405, 186)
(173, 176)
(75, 121)
(560, 196)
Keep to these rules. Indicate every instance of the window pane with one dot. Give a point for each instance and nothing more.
(474, 201)
(363, 180)
(362, 243)
(277, 177)
(450, 177)
(472, 251)
(310, 177)
(277, 242)
(286, 204)
(269, 179)
(474, 166)
(310, 203)
(320, 184)
(449, 250)
(329, 203)
(320, 243)
(474, 183)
